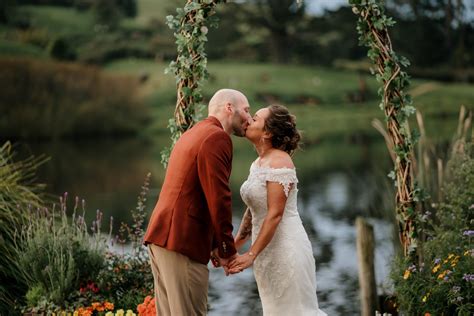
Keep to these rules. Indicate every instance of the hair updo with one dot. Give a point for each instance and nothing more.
(282, 125)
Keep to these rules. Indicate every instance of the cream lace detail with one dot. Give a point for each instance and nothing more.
(285, 269)
(274, 275)
(285, 176)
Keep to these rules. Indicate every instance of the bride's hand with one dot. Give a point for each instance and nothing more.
(241, 263)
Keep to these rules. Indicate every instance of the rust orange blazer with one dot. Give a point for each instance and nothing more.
(193, 213)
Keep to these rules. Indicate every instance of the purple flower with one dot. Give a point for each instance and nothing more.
(437, 260)
(456, 289)
(412, 268)
(468, 277)
(468, 233)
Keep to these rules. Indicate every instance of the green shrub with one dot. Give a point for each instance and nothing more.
(56, 253)
(61, 49)
(126, 279)
(443, 283)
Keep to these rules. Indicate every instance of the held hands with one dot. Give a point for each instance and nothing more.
(241, 263)
(234, 264)
(221, 262)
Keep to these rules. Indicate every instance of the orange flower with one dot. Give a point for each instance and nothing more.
(97, 306)
(427, 314)
(147, 308)
(148, 299)
(406, 275)
(84, 311)
(109, 306)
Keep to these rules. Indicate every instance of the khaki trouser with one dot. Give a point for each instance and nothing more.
(180, 283)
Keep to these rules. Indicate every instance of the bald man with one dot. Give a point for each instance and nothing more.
(193, 214)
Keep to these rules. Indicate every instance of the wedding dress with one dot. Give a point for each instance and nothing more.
(285, 269)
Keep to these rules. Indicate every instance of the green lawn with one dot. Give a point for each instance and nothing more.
(13, 48)
(333, 116)
(59, 21)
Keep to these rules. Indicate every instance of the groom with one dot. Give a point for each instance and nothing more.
(193, 215)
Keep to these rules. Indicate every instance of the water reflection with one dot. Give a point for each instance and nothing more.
(333, 190)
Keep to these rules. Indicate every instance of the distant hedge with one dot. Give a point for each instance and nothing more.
(44, 99)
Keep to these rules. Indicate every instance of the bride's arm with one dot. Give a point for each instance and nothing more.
(276, 200)
(245, 230)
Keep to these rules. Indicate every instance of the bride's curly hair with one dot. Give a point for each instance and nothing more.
(282, 125)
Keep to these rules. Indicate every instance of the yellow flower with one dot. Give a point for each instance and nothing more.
(130, 313)
(76, 313)
(466, 252)
(450, 256)
(109, 314)
(406, 275)
(120, 312)
(425, 298)
(436, 268)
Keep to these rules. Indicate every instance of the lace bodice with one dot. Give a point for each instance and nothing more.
(254, 190)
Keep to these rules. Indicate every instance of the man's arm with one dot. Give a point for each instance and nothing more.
(214, 167)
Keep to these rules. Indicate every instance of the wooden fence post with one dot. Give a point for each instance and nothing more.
(365, 254)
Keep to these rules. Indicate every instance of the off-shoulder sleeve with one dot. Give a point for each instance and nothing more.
(284, 176)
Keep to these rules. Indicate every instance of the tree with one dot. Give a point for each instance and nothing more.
(107, 12)
(6, 7)
(128, 7)
(442, 27)
(280, 18)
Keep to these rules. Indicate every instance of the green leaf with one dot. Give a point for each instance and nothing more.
(191, 6)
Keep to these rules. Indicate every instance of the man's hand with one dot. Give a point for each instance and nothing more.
(221, 262)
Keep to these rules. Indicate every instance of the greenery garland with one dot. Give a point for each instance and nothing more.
(190, 27)
(372, 27)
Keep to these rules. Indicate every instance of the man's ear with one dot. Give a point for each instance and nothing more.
(229, 107)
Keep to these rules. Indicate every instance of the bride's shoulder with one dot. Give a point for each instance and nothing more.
(280, 159)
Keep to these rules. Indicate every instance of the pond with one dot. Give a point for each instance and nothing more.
(339, 180)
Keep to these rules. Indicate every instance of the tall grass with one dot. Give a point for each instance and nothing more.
(57, 100)
(18, 191)
(430, 157)
(56, 252)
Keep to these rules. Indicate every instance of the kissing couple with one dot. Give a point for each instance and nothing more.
(192, 220)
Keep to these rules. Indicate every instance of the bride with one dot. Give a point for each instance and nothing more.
(281, 253)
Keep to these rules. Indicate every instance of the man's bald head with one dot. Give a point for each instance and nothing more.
(232, 109)
(223, 97)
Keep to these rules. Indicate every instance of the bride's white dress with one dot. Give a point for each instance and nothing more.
(285, 269)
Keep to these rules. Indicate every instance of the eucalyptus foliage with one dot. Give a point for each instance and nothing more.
(372, 26)
(190, 25)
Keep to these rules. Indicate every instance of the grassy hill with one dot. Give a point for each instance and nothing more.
(319, 97)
